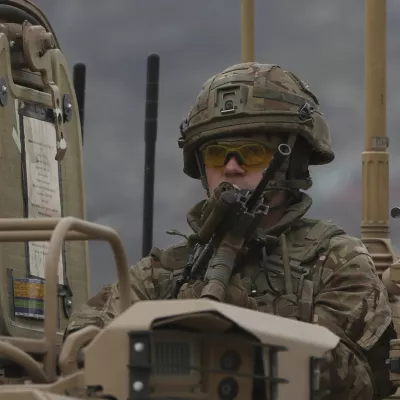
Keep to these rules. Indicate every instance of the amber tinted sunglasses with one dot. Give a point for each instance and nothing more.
(249, 155)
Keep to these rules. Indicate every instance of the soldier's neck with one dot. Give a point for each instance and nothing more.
(277, 208)
(272, 218)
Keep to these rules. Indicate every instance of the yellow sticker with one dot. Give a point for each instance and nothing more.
(29, 297)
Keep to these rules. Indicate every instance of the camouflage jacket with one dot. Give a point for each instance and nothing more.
(333, 283)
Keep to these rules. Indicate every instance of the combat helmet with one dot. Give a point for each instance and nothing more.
(250, 98)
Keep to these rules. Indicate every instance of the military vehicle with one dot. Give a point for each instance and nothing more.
(155, 349)
(40, 167)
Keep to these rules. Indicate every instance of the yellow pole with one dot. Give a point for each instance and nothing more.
(375, 158)
(247, 30)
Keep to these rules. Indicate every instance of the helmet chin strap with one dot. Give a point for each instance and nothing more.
(202, 170)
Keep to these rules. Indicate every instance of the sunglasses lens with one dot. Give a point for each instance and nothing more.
(215, 155)
(252, 155)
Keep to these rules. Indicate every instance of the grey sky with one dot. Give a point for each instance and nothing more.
(323, 41)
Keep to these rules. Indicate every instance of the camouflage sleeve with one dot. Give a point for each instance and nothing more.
(353, 303)
(149, 281)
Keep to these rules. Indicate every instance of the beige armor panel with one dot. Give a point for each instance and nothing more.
(204, 349)
(40, 172)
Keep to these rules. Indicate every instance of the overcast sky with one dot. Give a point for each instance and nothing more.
(322, 41)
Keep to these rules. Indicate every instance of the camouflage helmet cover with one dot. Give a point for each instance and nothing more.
(20, 10)
(251, 97)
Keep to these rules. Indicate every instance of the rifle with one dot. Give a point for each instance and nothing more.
(231, 219)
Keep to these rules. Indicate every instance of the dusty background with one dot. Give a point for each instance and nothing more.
(323, 41)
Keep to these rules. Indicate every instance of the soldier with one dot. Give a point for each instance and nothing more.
(300, 268)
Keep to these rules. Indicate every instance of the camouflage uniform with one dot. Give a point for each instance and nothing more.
(328, 279)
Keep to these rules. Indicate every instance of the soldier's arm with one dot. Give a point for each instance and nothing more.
(353, 303)
(148, 281)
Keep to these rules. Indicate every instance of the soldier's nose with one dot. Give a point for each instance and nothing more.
(232, 167)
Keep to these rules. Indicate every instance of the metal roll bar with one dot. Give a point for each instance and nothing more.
(57, 230)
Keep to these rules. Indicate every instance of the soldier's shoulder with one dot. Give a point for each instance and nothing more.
(325, 236)
(338, 241)
(171, 258)
(347, 256)
(152, 277)
(347, 245)
(310, 236)
(313, 229)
